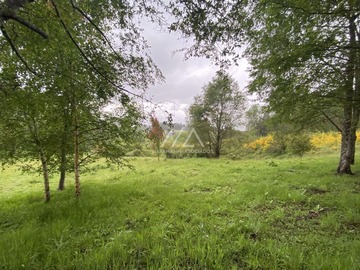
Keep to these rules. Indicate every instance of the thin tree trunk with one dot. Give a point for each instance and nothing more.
(219, 123)
(353, 137)
(218, 143)
(34, 131)
(76, 156)
(217, 150)
(356, 106)
(46, 176)
(63, 159)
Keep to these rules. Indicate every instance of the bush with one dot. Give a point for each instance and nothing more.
(299, 144)
(278, 144)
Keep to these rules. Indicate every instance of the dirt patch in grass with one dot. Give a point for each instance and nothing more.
(210, 190)
(199, 190)
(353, 226)
(315, 191)
(356, 188)
(298, 218)
(311, 190)
(262, 208)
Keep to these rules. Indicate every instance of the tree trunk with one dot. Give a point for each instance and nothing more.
(347, 151)
(218, 141)
(46, 176)
(351, 107)
(62, 169)
(34, 131)
(76, 156)
(217, 151)
(63, 159)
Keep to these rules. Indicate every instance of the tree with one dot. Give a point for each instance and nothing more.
(156, 134)
(217, 111)
(305, 55)
(96, 17)
(69, 84)
(25, 132)
(257, 118)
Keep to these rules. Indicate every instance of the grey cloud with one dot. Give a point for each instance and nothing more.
(184, 79)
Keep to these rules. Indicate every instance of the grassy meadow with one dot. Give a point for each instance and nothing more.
(269, 213)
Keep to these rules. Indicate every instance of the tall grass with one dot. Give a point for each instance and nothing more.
(287, 213)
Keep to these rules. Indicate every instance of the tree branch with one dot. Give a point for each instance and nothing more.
(8, 11)
(16, 4)
(316, 12)
(30, 26)
(87, 60)
(85, 57)
(97, 29)
(87, 157)
(16, 51)
(331, 121)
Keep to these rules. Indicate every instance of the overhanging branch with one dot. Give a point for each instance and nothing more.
(8, 11)
(16, 51)
(30, 26)
(331, 121)
(87, 59)
(97, 29)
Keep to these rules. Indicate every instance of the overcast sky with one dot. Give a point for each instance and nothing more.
(184, 79)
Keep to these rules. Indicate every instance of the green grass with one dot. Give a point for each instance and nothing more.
(285, 213)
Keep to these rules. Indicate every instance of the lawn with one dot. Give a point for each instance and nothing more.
(280, 213)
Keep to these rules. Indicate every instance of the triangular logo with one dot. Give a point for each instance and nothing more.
(193, 131)
(169, 134)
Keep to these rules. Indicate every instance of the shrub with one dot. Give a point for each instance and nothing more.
(278, 144)
(261, 144)
(299, 144)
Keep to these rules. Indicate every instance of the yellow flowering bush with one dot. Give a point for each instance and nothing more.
(326, 139)
(261, 144)
(330, 140)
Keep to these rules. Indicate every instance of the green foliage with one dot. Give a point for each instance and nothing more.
(156, 134)
(257, 120)
(304, 55)
(57, 90)
(299, 144)
(293, 143)
(287, 213)
(279, 144)
(233, 144)
(217, 111)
